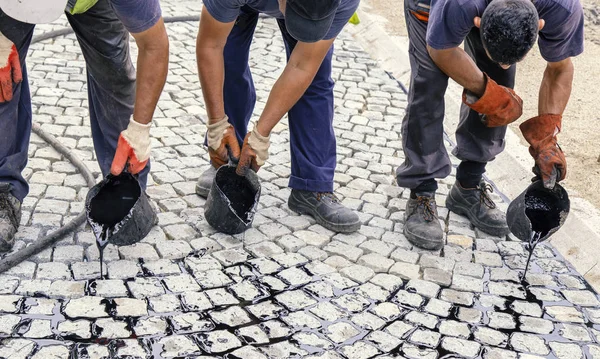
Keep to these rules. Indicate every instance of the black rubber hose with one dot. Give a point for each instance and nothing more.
(19, 256)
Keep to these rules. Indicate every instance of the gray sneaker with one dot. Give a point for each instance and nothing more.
(421, 224)
(10, 217)
(205, 182)
(326, 209)
(476, 204)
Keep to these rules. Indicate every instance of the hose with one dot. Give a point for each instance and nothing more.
(19, 256)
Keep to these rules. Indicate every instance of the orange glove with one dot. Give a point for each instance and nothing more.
(133, 146)
(10, 68)
(222, 143)
(255, 152)
(499, 104)
(550, 163)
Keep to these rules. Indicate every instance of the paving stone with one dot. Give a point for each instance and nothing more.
(575, 333)
(341, 332)
(150, 326)
(358, 273)
(499, 320)
(421, 319)
(409, 299)
(529, 343)
(177, 345)
(583, 298)
(110, 288)
(85, 307)
(388, 281)
(8, 322)
(167, 303)
(468, 284)
(232, 317)
(462, 347)
(368, 321)
(376, 262)
(422, 287)
(454, 328)
(406, 270)
(383, 341)
(469, 269)
(456, 297)
(564, 314)
(490, 337)
(438, 307)
(425, 337)
(526, 308)
(566, 350)
(344, 250)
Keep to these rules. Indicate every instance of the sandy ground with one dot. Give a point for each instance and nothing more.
(579, 137)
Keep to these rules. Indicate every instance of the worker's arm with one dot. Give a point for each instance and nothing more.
(152, 67)
(555, 89)
(210, 43)
(457, 64)
(297, 76)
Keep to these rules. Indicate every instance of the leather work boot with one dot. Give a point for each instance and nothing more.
(476, 204)
(205, 182)
(325, 209)
(421, 224)
(10, 217)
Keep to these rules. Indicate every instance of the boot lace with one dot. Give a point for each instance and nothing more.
(6, 205)
(330, 195)
(427, 204)
(484, 197)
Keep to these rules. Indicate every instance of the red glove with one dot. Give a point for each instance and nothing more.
(10, 68)
(550, 163)
(255, 152)
(222, 143)
(133, 146)
(499, 104)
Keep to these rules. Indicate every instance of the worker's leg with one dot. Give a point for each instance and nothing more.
(15, 115)
(425, 156)
(239, 95)
(15, 129)
(313, 150)
(478, 144)
(104, 42)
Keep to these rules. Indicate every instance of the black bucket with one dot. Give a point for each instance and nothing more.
(232, 200)
(538, 210)
(119, 205)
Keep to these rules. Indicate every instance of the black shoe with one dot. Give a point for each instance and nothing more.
(325, 209)
(421, 224)
(10, 217)
(205, 182)
(476, 204)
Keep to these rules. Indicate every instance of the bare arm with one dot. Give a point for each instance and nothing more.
(455, 63)
(152, 67)
(298, 74)
(212, 37)
(555, 89)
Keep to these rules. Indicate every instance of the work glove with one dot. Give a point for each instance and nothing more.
(10, 68)
(255, 151)
(222, 143)
(500, 105)
(133, 146)
(550, 163)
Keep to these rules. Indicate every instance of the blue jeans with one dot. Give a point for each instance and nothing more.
(104, 42)
(312, 139)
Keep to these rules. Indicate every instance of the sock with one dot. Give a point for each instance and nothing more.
(429, 186)
(469, 173)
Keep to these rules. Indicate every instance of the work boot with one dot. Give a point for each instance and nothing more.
(476, 204)
(326, 209)
(205, 182)
(10, 217)
(421, 224)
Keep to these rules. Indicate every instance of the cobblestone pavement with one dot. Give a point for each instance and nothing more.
(287, 287)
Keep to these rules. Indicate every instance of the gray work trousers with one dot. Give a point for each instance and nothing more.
(104, 42)
(426, 157)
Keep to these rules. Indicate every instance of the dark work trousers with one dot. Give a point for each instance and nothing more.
(426, 157)
(312, 139)
(104, 42)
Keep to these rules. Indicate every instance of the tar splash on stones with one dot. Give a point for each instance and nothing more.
(111, 205)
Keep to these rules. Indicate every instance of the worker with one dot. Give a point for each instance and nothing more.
(304, 91)
(120, 114)
(497, 34)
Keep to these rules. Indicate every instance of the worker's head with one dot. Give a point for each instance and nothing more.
(509, 30)
(308, 20)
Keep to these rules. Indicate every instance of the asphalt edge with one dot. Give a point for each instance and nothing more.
(578, 241)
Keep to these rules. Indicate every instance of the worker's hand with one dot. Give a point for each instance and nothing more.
(10, 68)
(255, 151)
(133, 146)
(222, 143)
(500, 105)
(550, 163)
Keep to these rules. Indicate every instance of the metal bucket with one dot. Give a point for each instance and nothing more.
(232, 200)
(538, 210)
(119, 204)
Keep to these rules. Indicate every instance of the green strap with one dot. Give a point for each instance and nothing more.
(80, 6)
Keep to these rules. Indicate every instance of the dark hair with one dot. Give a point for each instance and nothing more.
(509, 29)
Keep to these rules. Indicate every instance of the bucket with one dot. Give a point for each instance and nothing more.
(538, 210)
(118, 206)
(232, 200)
